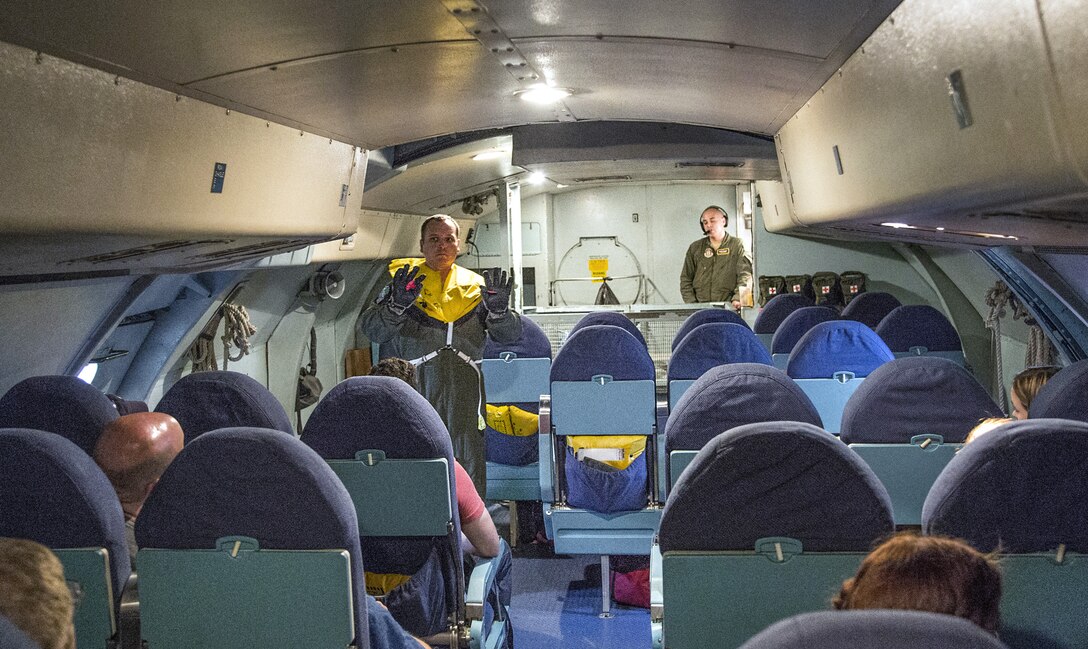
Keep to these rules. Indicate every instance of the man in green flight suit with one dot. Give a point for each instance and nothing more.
(438, 315)
(716, 264)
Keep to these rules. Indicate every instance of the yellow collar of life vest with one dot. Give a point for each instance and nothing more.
(448, 303)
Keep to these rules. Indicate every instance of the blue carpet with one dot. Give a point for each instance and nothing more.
(553, 607)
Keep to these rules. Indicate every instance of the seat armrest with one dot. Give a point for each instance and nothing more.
(481, 582)
(657, 592)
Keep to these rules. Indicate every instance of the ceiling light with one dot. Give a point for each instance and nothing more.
(492, 154)
(543, 94)
(535, 178)
(560, 185)
(899, 226)
(940, 229)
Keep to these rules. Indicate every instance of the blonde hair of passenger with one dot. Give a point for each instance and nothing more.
(34, 594)
(1027, 383)
(985, 426)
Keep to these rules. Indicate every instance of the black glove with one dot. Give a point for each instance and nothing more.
(405, 288)
(496, 293)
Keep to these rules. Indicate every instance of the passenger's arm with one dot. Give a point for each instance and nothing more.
(380, 324)
(482, 536)
(687, 274)
(744, 266)
(385, 632)
(506, 328)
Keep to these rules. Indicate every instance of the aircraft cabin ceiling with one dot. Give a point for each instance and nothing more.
(385, 72)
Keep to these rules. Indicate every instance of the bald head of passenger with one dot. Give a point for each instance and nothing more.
(133, 451)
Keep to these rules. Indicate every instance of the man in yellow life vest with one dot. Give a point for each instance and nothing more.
(438, 315)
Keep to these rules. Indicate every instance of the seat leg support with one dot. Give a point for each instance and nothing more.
(606, 588)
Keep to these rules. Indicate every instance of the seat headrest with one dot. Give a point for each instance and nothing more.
(728, 396)
(602, 349)
(376, 412)
(53, 493)
(870, 308)
(797, 325)
(914, 395)
(1063, 395)
(65, 405)
(608, 318)
(254, 482)
(1021, 487)
(208, 401)
(706, 316)
(776, 479)
(713, 344)
(777, 308)
(918, 325)
(837, 346)
(533, 343)
(865, 629)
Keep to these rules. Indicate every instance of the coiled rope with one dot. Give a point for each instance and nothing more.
(237, 329)
(1040, 350)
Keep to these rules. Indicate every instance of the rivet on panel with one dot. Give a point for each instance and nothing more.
(509, 65)
(494, 50)
(117, 81)
(476, 32)
(228, 111)
(300, 134)
(457, 11)
(274, 68)
(521, 65)
(394, 49)
(509, 49)
(38, 58)
(177, 97)
(891, 21)
(494, 31)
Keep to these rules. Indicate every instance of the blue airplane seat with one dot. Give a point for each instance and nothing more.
(866, 629)
(726, 397)
(250, 539)
(53, 493)
(12, 637)
(869, 308)
(794, 327)
(908, 419)
(533, 343)
(1021, 490)
(387, 443)
(830, 361)
(1063, 395)
(608, 318)
(65, 405)
(706, 316)
(766, 522)
(920, 329)
(707, 346)
(207, 401)
(776, 309)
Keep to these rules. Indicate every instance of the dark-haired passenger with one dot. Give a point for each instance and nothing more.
(927, 573)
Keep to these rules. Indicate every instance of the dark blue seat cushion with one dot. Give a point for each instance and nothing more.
(870, 308)
(777, 308)
(706, 316)
(254, 482)
(602, 349)
(837, 346)
(776, 479)
(914, 395)
(733, 395)
(385, 413)
(1064, 396)
(53, 493)
(797, 325)
(533, 343)
(12, 637)
(869, 629)
(208, 401)
(608, 318)
(918, 325)
(1021, 487)
(713, 344)
(64, 405)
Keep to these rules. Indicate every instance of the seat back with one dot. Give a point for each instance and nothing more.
(794, 327)
(64, 405)
(706, 316)
(708, 346)
(919, 329)
(870, 308)
(207, 401)
(865, 629)
(1021, 489)
(250, 540)
(53, 493)
(776, 310)
(1063, 395)
(384, 416)
(747, 537)
(12, 637)
(830, 361)
(608, 318)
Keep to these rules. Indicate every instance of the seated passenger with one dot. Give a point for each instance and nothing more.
(34, 595)
(1026, 385)
(133, 451)
(927, 573)
(985, 426)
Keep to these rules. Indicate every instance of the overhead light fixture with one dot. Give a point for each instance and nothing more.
(560, 185)
(899, 226)
(492, 154)
(536, 178)
(543, 94)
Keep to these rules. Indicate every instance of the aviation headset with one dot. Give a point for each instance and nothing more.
(725, 215)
